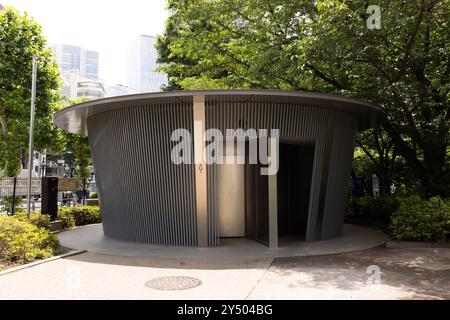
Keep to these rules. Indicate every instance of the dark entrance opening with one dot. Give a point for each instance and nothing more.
(256, 204)
(294, 189)
(256, 201)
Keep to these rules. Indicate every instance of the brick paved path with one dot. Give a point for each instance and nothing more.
(405, 274)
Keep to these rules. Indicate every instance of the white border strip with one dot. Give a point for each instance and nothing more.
(38, 262)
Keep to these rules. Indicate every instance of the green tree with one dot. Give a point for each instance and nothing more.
(327, 46)
(377, 155)
(74, 147)
(77, 155)
(21, 38)
(382, 155)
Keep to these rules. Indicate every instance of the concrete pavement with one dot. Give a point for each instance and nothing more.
(380, 273)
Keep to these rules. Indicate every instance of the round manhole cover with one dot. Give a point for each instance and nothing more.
(173, 283)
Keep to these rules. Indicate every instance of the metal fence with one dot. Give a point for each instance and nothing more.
(13, 191)
(16, 188)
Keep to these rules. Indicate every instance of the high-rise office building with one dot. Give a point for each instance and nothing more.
(79, 71)
(77, 86)
(114, 90)
(142, 57)
(71, 58)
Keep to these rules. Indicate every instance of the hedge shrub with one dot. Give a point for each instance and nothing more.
(66, 217)
(378, 209)
(422, 220)
(22, 242)
(79, 216)
(36, 218)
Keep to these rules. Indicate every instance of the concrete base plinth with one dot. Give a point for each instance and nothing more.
(92, 239)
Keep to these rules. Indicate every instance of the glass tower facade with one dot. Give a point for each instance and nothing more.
(76, 58)
(142, 56)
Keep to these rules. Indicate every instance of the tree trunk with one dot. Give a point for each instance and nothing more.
(4, 127)
(384, 184)
(431, 170)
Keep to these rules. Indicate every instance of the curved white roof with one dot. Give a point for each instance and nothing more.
(74, 118)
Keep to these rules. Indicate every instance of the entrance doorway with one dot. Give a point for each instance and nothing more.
(243, 202)
(293, 190)
(231, 196)
(256, 204)
(243, 196)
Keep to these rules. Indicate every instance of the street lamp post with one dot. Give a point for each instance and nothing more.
(30, 143)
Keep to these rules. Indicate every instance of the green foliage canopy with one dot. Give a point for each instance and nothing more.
(75, 147)
(21, 38)
(326, 46)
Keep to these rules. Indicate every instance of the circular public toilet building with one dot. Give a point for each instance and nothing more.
(161, 181)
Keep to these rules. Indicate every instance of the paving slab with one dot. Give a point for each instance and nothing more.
(90, 276)
(419, 273)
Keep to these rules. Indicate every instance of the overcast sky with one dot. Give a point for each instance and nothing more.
(107, 26)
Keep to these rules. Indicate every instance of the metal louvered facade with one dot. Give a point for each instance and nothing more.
(294, 121)
(146, 198)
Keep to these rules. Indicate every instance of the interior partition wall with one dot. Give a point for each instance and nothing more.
(256, 204)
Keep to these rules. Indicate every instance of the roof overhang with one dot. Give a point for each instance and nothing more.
(74, 118)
